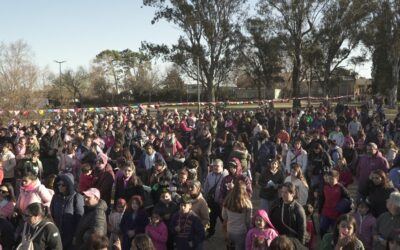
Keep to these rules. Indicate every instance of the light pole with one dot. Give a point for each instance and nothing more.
(198, 85)
(60, 62)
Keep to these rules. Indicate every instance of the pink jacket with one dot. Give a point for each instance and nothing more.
(36, 192)
(268, 234)
(364, 229)
(158, 234)
(7, 210)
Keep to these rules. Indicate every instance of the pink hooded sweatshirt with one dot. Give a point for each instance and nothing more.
(267, 234)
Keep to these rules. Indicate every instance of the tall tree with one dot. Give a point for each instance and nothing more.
(209, 38)
(18, 75)
(262, 54)
(294, 20)
(383, 38)
(74, 82)
(173, 84)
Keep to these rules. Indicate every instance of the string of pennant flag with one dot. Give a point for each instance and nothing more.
(42, 112)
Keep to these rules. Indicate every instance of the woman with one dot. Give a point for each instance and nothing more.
(297, 178)
(67, 208)
(343, 236)
(296, 155)
(133, 222)
(9, 163)
(7, 200)
(271, 177)
(142, 242)
(32, 191)
(129, 183)
(38, 228)
(287, 215)
(237, 214)
(318, 160)
(379, 190)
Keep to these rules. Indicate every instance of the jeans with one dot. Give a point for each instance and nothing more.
(215, 213)
(325, 224)
(237, 240)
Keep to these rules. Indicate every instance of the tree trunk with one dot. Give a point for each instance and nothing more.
(296, 76)
(395, 83)
(210, 91)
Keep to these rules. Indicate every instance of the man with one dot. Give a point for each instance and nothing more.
(186, 228)
(93, 220)
(212, 192)
(367, 163)
(50, 144)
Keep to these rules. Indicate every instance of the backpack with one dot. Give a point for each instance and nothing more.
(27, 239)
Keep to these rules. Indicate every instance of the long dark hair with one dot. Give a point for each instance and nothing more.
(348, 218)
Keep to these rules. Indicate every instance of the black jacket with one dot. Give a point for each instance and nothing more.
(48, 238)
(293, 223)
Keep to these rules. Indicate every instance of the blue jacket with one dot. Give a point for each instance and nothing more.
(66, 210)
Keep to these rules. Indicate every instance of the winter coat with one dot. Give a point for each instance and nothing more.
(166, 212)
(6, 208)
(367, 164)
(93, 221)
(377, 196)
(48, 238)
(214, 179)
(191, 232)
(126, 192)
(270, 192)
(328, 244)
(34, 193)
(302, 189)
(49, 145)
(330, 198)
(67, 210)
(294, 219)
(365, 225)
(158, 234)
(269, 233)
(385, 225)
(136, 222)
(200, 208)
(104, 180)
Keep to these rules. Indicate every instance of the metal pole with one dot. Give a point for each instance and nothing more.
(59, 63)
(198, 85)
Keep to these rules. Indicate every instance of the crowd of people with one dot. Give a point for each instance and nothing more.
(273, 178)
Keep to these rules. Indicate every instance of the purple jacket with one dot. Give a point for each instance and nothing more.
(364, 229)
(366, 164)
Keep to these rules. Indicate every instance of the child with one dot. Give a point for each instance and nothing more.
(114, 221)
(86, 179)
(263, 232)
(186, 228)
(365, 223)
(311, 233)
(345, 176)
(158, 232)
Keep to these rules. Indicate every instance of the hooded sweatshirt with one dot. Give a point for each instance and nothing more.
(268, 233)
(67, 209)
(238, 176)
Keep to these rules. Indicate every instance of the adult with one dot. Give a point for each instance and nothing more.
(212, 192)
(146, 162)
(287, 215)
(7, 200)
(50, 144)
(103, 178)
(379, 190)
(265, 152)
(67, 208)
(387, 222)
(318, 161)
(367, 163)
(237, 214)
(343, 236)
(296, 154)
(39, 229)
(9, 163)
(271, 178)
(32, 191)
(93, 220)
(129, 184)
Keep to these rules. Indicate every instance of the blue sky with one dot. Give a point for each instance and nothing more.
(77, 30)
